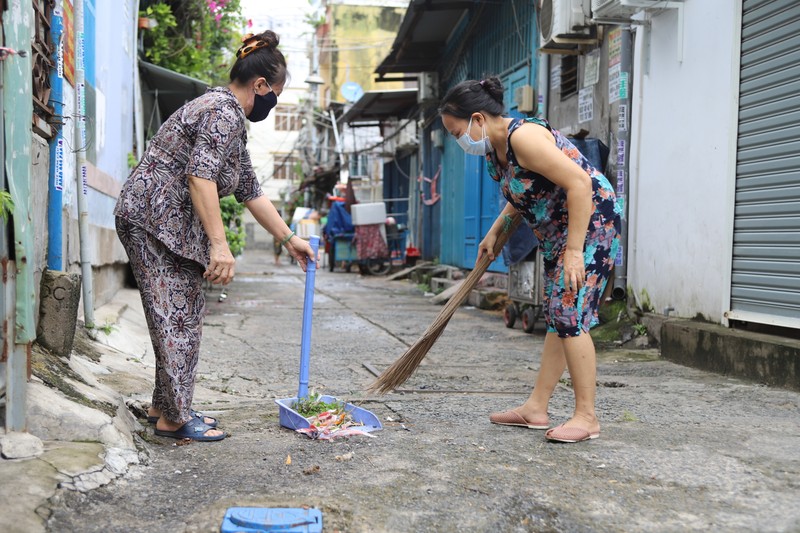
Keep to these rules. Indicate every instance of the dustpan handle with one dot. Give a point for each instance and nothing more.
(308, 306)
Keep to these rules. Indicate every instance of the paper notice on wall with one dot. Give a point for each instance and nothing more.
(591, 69)
(620, 153)
(622, 118)
(586, 105)
(620, 182)
(555, 78)
(58, 172)
(614, 47)
(613, 83)
(85, 179)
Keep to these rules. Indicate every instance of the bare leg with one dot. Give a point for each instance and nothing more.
(582, 364)
(550, 371)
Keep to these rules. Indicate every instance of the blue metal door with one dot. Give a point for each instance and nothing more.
(481, 207)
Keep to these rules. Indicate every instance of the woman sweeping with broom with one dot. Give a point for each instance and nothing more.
(572, 209)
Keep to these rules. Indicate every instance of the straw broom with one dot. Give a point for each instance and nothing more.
(401, 370)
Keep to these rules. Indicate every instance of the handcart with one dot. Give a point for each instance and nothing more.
(343, 253)
(525, 277)
(525, 292)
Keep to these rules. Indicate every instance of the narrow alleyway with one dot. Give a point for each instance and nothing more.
(680, 449)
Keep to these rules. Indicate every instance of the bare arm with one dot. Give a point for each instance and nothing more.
(269, 218)
(535, 149)
(205, 201)
(487, 244)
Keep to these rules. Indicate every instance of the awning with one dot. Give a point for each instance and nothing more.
(170, 88)
(376, 106)
(423, 34)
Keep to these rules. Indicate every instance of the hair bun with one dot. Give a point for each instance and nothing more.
(269, 37)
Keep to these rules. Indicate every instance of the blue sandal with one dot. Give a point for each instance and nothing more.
(194, 429)
(199, 416)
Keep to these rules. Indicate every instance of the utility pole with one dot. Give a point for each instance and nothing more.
(80, 160)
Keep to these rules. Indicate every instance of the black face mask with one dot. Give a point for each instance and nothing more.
(262, 105)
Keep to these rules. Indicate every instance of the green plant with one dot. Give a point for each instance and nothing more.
(627, 416)
(106, 328)
(640, 329)
(232, 220)
(193, 37)
(158, 41)
(132, 161)
(6, 205)
(312, 405)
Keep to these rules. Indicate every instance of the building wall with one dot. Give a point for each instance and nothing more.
(359, 38)
(683, 159)
(563, 113)
(268, 146)
(110, 63)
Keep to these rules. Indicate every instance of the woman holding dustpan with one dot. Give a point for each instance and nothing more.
(572, 209)
(168, 220)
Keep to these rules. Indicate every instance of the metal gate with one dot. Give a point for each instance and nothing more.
(765, 282)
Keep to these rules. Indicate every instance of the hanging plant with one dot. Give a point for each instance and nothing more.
(194, 37)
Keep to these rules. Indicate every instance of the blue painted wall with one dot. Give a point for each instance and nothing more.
(504, 46)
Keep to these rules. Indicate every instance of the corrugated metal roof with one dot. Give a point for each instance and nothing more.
(375, 106)
(422, 36)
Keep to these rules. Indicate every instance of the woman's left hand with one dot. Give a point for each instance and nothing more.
(301, 251)
(574, 270)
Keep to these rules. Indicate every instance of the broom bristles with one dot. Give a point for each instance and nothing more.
(402, 369)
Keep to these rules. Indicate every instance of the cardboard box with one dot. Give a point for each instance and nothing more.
(374, 213)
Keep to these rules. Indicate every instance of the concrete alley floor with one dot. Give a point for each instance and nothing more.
(680, 449)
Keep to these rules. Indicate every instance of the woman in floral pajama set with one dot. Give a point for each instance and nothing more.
(168, 219)
(572, 209)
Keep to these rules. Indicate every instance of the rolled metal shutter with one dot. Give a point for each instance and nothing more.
(765, 283)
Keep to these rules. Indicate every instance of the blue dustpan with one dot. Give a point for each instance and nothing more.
(289, 418)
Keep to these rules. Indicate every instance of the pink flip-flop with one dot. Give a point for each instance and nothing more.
(513, 418)
(564, 434)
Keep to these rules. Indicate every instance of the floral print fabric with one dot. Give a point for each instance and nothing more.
(204, 138)
(171, 288)
(544, 207)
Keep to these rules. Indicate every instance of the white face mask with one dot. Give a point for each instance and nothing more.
(481, 147)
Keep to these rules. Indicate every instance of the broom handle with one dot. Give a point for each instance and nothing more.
(474, 277)
(308, 306)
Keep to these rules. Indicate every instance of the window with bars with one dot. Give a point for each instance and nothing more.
(284, 166)
(287, 118)
(569, 76)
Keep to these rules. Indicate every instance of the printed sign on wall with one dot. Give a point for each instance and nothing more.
(586, 105)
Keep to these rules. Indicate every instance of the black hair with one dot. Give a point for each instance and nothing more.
(266, 60)
(472, 96)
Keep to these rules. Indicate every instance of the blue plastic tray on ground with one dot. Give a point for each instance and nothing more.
(291, 419)
(268, 520)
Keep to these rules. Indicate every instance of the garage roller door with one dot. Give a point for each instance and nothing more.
(766, 245)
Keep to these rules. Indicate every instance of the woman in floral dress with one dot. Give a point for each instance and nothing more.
(573, 212)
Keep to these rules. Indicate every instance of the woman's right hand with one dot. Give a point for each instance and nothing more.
(301, 251)
(486, 246)
(221, 264)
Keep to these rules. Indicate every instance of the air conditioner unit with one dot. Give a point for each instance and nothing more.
(524, 98)
(565, 22)
(624, 9)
